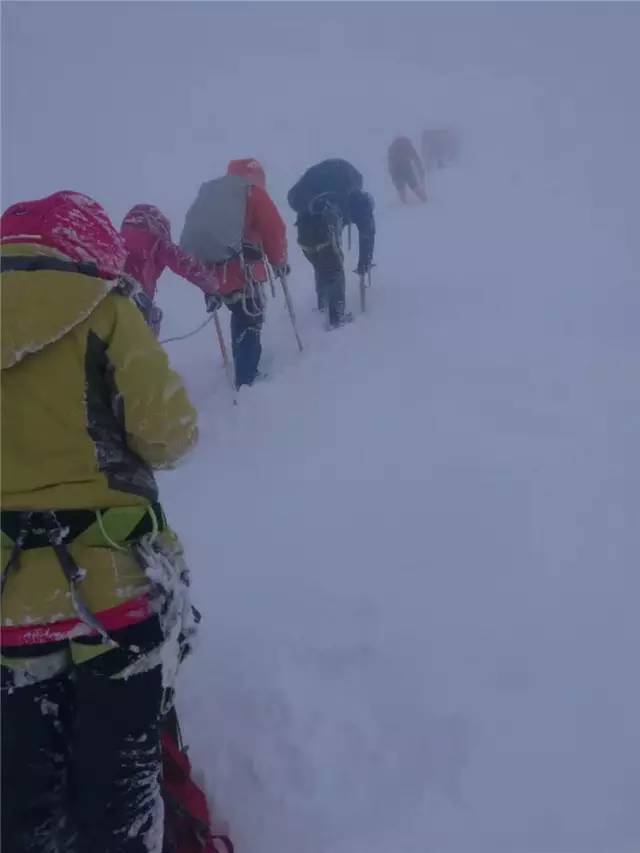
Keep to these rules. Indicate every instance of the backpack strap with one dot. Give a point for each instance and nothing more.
(56, 536)
(24, 519)
(113, 527)
(20, 263)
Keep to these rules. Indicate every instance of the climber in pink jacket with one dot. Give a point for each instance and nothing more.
(146, 232)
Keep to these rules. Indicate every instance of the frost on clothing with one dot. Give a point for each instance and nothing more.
(92, 631)
(81, 750)
(147, 237)
(71, 223)
(86, 444)
(81, 753)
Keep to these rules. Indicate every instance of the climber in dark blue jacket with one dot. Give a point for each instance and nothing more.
(326, 198)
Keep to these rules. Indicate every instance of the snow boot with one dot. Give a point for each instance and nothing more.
(346, 318)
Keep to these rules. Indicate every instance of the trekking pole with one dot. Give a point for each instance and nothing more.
(363, 293)
(224, 352)
(292, 315)
(271, 284)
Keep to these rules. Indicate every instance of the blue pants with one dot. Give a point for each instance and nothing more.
(246, 347)
(319, 236)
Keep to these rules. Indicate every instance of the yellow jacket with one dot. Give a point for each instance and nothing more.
(89, 406)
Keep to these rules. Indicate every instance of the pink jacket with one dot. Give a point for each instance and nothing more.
(147, 238)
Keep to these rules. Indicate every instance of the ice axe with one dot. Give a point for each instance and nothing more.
(271, 284)
(363, 293)
(225, 354)
(292, 313)
(365, 282)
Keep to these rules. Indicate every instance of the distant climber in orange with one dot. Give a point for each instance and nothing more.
(406, 169)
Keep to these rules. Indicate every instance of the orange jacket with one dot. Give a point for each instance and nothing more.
(263, 228)
(403, 155)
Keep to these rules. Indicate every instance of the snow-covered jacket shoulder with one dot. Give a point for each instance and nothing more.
(89, 403)
(89, 407)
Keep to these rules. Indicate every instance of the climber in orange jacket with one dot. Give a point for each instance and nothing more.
(406, 169)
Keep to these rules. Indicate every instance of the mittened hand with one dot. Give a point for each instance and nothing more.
(212, 301)
(282, 270)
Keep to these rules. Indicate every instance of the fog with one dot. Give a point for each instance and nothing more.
(416, 547)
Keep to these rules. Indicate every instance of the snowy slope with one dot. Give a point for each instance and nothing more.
(415, 546)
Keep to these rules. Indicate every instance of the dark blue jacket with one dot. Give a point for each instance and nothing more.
(339, 183)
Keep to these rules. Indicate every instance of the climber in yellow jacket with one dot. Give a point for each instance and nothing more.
(94, 600)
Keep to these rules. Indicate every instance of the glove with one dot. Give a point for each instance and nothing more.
(212, 301)
(364, 268)
(282, 270)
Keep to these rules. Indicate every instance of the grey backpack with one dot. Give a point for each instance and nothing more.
(214, 224)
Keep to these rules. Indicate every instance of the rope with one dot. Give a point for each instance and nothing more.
(189, 334)
(106, 536)
(271, 283)
(255, 295)
(154, 523)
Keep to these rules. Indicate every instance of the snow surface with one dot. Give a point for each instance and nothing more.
(416, 546)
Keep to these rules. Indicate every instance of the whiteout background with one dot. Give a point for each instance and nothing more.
(417, 546)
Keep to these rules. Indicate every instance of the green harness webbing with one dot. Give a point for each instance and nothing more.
(57, 530)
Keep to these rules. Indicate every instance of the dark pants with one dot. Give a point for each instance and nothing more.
(404, 176)
(246, 324)
(320, 239)
(81, 760)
